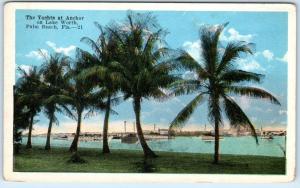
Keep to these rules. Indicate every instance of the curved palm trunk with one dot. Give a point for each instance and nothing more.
(74, 145)
(148, 153)
(47, 147)
(105, 148)
(28, 145)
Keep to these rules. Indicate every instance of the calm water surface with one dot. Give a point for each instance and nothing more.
(244, 145)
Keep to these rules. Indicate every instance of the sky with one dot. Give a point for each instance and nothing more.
(267, 30)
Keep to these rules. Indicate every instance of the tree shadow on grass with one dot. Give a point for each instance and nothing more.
(76, 159)
(146, 165)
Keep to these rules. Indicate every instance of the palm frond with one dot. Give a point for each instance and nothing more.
(182, 87)
(88, 58)
(58, 99)
(159, 95)
(232, 52)
(99, 27)
(237, 117)
(65, 110)
(235, 76)
(113, 112)
(188, 62)
(91, 112)
(95, 72)
(92, 44)
(253, 92)
(209, 37)
(116, 100)
(186, 112)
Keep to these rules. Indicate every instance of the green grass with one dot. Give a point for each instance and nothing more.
(126, 161)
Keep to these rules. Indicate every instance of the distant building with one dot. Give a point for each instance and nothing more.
(163, 131)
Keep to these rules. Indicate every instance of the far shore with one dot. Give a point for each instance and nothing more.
(165, 132)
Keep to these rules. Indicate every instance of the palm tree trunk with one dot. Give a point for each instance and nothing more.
(148, 153)
(74, 145)
(105, 148)
(47, 147)
(217, 144)
(214, 97)
(28, 145)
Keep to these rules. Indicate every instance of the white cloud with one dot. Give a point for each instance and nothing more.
(193, 48)
(284, 58)
(234, 35)
(250, 65)
(51, 44)
(39, 54)
(268, 55)
(66, 51)
(26, 68)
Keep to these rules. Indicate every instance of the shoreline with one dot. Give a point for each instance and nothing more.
(158, 151)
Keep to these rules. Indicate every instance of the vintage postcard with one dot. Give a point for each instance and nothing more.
(149, 92)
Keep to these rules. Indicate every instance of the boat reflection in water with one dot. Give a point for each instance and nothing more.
(209, 138)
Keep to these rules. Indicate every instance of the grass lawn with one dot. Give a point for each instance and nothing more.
(119, 161)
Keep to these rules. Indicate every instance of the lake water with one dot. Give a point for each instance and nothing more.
(244, 145)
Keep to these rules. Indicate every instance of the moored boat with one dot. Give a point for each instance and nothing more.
(267, 137)
(129, 139)
(210, 138)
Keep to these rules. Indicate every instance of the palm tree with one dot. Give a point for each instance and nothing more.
(145, 65)
(218, 78)
(105, 53)
(21, 119)
(53, 76)
(79, 94)
(29, 94)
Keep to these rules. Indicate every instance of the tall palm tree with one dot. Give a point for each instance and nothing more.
(219, 79)
(79, 94)
(53, 81)
(29, 94)
(145, 65)
(105, 53)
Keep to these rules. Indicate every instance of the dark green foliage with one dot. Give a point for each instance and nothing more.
(21, 120)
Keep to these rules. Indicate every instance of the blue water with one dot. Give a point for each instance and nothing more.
(229, 145)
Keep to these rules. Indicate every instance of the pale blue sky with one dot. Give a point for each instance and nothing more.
(268, 30)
